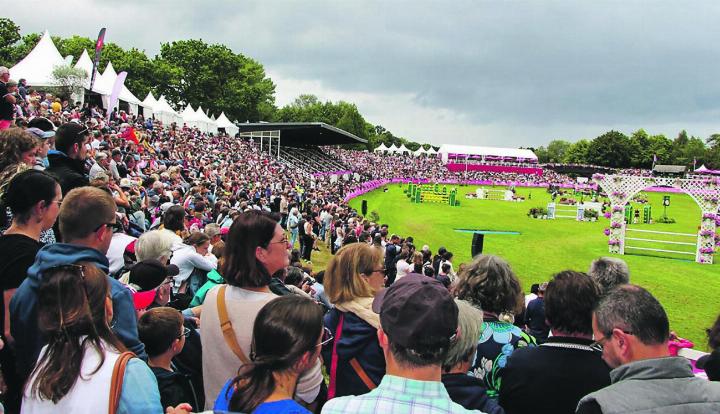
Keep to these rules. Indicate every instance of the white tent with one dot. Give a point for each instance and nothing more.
(206, 124)
(431, 151)
(189, 117)
(420, 151)
(149, 105)
(86, 64)
(403, 149)
(224, 122)
(392, 149)
(381, 148)
(486, 152)
(164, 113)
(38, 65)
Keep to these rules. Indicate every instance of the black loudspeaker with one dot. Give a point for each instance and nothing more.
(364, 208)
(477, 244)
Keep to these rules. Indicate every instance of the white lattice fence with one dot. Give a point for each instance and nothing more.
(705, 191)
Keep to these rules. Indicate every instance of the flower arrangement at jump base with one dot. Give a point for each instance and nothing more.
(606, 232)
(617, 209)
(615, 225)
(709, 238)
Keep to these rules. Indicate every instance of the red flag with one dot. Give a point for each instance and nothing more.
(129, 134)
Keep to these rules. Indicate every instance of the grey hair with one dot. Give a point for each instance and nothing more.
(155, 244)
(609, 273)
(635, 311)
(470, 321)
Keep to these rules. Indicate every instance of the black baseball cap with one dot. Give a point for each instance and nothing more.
(149, 274)
(417, 312)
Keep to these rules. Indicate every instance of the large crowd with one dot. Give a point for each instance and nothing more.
(151, 268)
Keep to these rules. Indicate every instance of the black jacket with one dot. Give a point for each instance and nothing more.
(470, 392)
(553, 377)
(70, 172)
(175, 388)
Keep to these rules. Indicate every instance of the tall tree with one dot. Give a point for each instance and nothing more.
(219, 80)
(556, 150)
(577, 152)
(611, 149)
(9, 35)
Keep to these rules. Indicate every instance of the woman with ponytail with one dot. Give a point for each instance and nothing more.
(287, 337)
(74, 370)
(33, 197)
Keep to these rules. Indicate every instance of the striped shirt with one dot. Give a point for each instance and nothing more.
(396, 395)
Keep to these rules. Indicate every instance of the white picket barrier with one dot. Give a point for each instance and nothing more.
(676, 243)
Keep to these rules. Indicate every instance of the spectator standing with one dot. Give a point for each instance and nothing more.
(354, 359)
(465, 389)
(418, 323)
(67, 161)
(489, 283)
(164, 335)
(86, 217)
(633, 329)
(609, 273)
(34, 199)
(553, 377)
(74, 370)
(7, 100)
(535, 316)
(391, 252)
(256, 248)
(288, 334)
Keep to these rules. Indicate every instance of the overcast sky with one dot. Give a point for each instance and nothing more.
(497, 72)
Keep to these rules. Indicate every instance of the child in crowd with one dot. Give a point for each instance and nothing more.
(162, 331)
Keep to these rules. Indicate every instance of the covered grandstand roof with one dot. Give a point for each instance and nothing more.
(297, 134)
(487, 151)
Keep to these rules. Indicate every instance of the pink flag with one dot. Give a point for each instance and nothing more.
(117, 87)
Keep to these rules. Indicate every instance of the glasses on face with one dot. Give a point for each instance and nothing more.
(109, 225)
(326, 338)
(380, 270)
(283, 241)
(185, 332)
(59, 202)
(600, 343)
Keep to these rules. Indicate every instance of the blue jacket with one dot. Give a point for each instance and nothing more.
(358, 340)
(23, 307)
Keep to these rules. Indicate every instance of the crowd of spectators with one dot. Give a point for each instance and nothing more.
(150, 268)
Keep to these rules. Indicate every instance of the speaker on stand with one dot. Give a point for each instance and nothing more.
(477, 244)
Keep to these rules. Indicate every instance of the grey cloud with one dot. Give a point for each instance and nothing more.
(518, 63)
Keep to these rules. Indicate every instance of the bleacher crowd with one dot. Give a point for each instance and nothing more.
(151, 268)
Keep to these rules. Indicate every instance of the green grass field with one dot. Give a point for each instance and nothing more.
(687, 290)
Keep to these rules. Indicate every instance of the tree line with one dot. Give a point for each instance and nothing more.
(212, 75)
(639, 150)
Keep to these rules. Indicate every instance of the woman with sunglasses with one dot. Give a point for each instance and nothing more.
(74, 370)
(256, 248)
(287, 337)
(33, 197)
(354, 360)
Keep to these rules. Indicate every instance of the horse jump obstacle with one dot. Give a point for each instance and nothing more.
(576, 212)
(676, 243)
(704, 191)
(487, 194)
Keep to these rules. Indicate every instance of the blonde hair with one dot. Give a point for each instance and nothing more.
(343, 280)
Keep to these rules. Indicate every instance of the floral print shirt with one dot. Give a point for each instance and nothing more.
(497, 341)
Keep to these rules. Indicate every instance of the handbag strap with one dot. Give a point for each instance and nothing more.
(334, 358)
(354, 363)
(116, 383)
(364, 377)
(226, 327)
